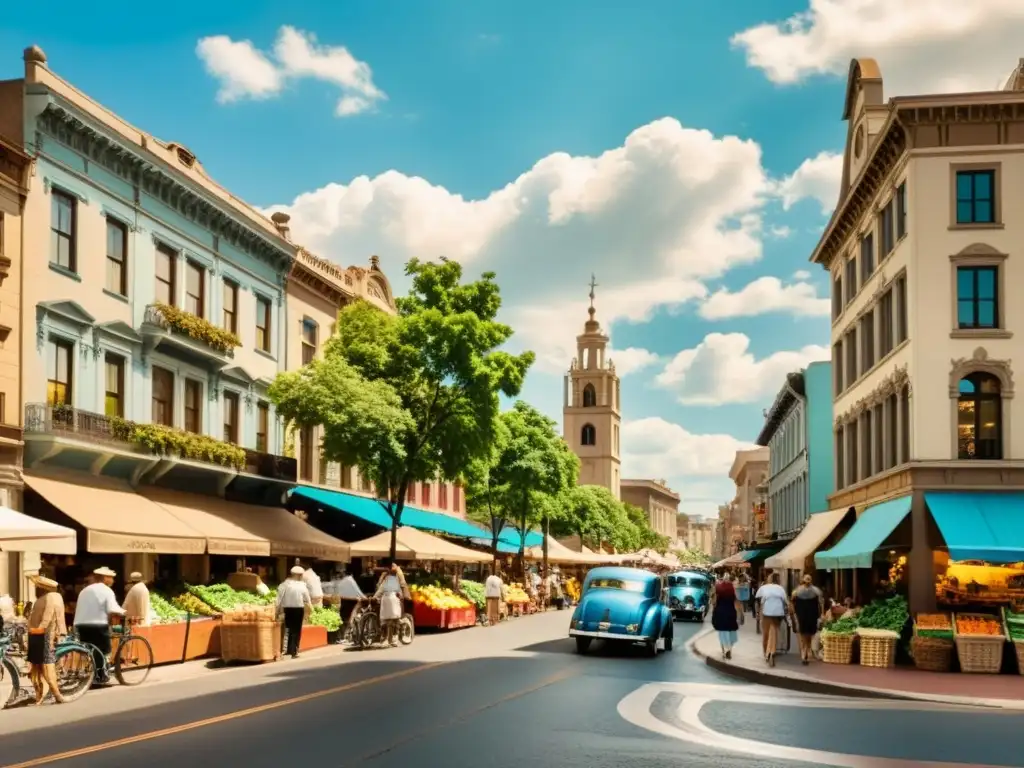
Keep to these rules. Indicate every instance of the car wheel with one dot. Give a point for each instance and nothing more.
(651, 647)
(583, 644)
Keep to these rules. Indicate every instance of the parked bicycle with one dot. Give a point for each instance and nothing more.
(129, 664)
(367, 630)
(74, 665)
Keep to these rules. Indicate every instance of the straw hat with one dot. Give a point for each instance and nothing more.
(135, 577)
(43, 583)
(104, 571)
(298, 570)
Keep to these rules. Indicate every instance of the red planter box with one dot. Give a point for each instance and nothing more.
(455, 618)
(461, 618)
(312, 637)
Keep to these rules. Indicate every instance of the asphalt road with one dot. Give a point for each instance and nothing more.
(457, 704)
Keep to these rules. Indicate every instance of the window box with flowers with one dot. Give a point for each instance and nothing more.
(197, 328)
(167, 441)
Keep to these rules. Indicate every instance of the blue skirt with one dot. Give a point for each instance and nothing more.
(727, 638)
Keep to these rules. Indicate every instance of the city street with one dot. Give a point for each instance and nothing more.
(511, 696)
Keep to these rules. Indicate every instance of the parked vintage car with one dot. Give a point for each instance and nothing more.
(689, 594)
(627, 605)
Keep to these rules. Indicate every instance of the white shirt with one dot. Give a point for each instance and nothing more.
(773, 599)
(95, 605)
(261, 588)
(137, 605)
(313, 583)
(492, 587)
(535, 578)
(347, 589)
(293, 593)
(390, 584)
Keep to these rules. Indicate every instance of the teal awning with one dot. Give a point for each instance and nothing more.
(980, 525)
(751, 554)
(857, 548)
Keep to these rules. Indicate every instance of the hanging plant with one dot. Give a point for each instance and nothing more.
(167, 441)
(197, 328)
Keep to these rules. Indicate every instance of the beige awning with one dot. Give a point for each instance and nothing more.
(815, 531)
(214, 518)
(417, 545)
(288, 535)
(559, 553)
(116, 519)
(21, 533)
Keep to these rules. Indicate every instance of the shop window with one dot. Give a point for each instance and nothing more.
(979, 422)
(588, 435)
(59, 373)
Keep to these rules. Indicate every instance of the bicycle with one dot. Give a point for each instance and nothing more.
(75, 670)
(367, 629)
(132, 658)
(9, 673)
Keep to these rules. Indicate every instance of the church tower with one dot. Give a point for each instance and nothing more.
(591, 407)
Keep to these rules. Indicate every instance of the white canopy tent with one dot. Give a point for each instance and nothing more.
(21, 533)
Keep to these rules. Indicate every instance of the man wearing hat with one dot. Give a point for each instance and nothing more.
(96, 604)
(136, 602)
(45, 625)
(293, 600)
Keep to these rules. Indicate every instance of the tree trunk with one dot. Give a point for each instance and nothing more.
(547, 527)
(522, 546)
(396, 518)
(497, 524)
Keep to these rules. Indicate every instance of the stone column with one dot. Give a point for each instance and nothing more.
(900, 405)
(920, 563)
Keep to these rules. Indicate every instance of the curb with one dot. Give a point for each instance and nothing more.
(803, 684)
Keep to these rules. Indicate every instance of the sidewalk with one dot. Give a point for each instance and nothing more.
(998, 691)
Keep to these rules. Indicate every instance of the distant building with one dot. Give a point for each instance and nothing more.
(750, 473)
(659, 501)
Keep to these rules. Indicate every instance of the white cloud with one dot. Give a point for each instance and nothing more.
(817, 178)
(242, 70)
(632, 359)
(764, 295)
(780, 232)
(246, 72)
(801, 274)
(721, 370)
(657, 448)
(922, 46)
(653, 218)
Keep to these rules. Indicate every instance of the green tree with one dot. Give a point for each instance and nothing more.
(440, 363)
(486, 491)
(648, 538)
(587, 511)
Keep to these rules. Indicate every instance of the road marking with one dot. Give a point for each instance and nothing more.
(237, 715)
(636, 709)
(545, 683)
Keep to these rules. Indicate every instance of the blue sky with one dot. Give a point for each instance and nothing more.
(682, 151)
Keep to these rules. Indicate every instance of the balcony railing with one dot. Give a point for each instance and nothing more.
(182, 324)
(107, 431)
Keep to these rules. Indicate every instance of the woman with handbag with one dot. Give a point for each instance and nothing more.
(45, 624)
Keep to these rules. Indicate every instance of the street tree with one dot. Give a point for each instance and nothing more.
(648, 537)
(441, 359)
(486, 491)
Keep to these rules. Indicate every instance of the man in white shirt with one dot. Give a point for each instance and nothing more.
(774, 607)
(293, 601)
(95, 605)
(136, 602)
(315, 587)
(492, 590)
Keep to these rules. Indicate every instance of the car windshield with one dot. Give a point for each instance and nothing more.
(686, 581)
(623, 584)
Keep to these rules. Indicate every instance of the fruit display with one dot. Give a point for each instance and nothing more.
(1015, 626)
(937, 625)
(474, 592)
(166, 613)
(223, 598)
(516, 595)
(438, 598)
(976, 624)
(891, 614)
(327, 618)
(572, 589)
(188, 602)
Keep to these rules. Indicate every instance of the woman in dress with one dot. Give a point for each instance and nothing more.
(726, 613)
(808, 606)
(45, 624)
(392, 591)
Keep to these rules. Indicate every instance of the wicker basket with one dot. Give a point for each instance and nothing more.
(932, 654)
(837, 649)
(979, 654)
(877, 648)
(251, 642)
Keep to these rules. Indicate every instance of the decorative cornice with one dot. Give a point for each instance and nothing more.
(889, 386)
(980, 362)
(147, 175)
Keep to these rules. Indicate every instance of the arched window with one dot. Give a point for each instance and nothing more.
(588, 435)
(980, 418)
(589, 396)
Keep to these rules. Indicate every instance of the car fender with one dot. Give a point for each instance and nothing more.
(654, 621)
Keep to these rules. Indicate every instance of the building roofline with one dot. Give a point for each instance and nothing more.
(651, 484)
(742, 459)
(792, 388)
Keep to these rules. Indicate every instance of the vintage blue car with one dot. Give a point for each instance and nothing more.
(627, 605)
(689, 594)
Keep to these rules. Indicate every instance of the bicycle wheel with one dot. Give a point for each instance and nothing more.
(406, 630)
(133, 660)
(76, 671)
(10, 682)
(369, 630)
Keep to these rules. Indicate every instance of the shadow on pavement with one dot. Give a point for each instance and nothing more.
(601, 649)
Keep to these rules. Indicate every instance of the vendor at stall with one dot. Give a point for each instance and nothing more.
(314, 585)
(136, 603)
(391, 591)
(492, 591)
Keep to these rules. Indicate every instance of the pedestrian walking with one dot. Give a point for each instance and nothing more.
(45, 624)
(743, 591)
(392, 591)
(492, 590)
(726, 615)
(808, 608)
(93, 609)
(294, 602)
(774, 607)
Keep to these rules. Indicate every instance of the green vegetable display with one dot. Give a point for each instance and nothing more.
(939, 634)
(166, 612)
(474, 592)
(1015, 626)
(327, 618)
(891, 614)
(844, 626)
(188, 602)
(223, 598)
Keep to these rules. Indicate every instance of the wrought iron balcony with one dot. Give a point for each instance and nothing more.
(272, 467)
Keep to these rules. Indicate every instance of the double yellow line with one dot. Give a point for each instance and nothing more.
(237, 715)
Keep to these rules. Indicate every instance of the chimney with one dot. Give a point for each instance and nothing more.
(281, 220)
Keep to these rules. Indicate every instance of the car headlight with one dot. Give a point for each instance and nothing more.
(579, 624)
(632, 627)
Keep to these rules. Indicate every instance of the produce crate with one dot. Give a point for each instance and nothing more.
(877, 647)
(1018, 644)
(836, 648)
(459, 618)
(425, 616)
(934, 625)
(978, 654)
(250, 642)
(932, 654)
